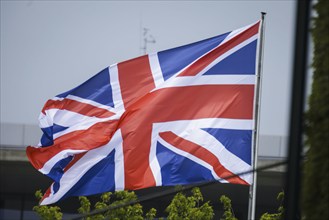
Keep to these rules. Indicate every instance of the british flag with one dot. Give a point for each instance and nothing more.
(179, 116)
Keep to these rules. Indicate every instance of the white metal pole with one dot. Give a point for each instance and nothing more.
(253, 187)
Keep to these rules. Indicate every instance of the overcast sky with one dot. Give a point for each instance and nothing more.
(48, 47)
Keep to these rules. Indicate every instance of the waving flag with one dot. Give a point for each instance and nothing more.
(180, 116)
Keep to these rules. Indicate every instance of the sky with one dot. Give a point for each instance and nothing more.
(49, 47)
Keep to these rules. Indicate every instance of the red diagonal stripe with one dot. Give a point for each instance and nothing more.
(93, 137)
(78, 107)
(204, 61)
(203, 154)
(75, 159)
(46, 195)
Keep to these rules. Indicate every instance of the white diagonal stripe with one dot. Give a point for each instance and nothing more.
(77, 171)
(191, 130)
(193, 158)
(228, 53)
(236, 32)
(90, 102)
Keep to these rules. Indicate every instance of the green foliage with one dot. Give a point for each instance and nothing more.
(47, 212)
(276, 216)
(84, 206)
(108, 201)
(115, 202)
(184, 207)
(151, 214)
(228, 211)
(315, 195)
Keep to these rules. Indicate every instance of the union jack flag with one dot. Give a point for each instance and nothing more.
(179, 116)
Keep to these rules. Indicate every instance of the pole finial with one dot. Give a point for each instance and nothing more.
(263, 15)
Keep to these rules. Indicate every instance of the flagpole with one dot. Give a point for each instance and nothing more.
(253, 187)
